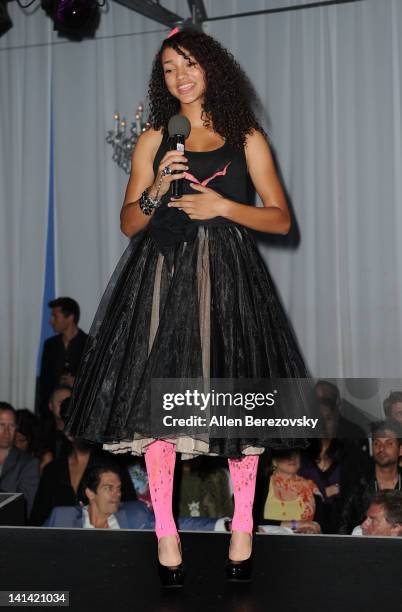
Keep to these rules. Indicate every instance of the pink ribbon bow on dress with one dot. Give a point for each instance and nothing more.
(205, 182)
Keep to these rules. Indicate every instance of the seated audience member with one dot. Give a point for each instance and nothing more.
(384, 474)
(393, 410)
(62, 352)
(30, 438)
(283, 498)
(393, 406)
(139, 477)
(59, 394)
(101, 494)
(384, 515)
(339, 424)
(62, 480)
(204, 488)
(27, 425)
(335, 465)
(19, 472)
(54, 427)
(104, 510)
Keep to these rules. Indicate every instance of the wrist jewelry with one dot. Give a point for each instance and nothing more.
(148, 204)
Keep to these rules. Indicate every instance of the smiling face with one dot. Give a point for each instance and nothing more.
(108, 494)
(184, 78)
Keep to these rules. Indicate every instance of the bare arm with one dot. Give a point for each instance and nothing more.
(274, 217)
(132, 219)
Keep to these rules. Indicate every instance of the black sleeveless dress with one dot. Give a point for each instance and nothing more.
(188, 299)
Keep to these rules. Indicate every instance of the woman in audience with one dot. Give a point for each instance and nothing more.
(335, 463)
(30, 438)
(335, 466)
(284, 498)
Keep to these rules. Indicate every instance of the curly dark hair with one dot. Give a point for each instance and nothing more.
(229, 97)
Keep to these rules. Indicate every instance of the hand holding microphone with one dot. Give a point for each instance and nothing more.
(179, 128)
(171, 170)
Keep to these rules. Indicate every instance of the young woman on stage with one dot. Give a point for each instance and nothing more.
(191, 296)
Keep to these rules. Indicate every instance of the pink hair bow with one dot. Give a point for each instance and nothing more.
(173, 32)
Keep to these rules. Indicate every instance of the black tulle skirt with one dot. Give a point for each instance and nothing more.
(205, 307)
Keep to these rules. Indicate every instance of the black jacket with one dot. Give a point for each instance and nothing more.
(356, 506)
(55, 360)
(351, 462)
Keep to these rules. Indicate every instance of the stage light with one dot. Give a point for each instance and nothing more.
(74, 19)
(5, 21)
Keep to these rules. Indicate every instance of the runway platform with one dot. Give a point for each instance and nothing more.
(116, 571)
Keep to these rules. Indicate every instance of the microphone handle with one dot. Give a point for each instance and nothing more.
(177, 185)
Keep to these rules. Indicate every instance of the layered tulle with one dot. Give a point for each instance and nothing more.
(201, 308)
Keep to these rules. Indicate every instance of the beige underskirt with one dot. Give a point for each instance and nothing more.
(188, 447)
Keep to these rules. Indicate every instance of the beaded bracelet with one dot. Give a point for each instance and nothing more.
(148, 204)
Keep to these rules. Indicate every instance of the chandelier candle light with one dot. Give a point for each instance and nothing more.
(123, 143)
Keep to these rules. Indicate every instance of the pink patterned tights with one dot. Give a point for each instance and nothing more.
(160, 458)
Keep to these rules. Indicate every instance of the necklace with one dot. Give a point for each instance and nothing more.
(399, 483)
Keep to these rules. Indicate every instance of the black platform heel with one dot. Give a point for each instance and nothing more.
(240, 571)
(171, 577)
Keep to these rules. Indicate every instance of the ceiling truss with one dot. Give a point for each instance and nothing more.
(153, 10)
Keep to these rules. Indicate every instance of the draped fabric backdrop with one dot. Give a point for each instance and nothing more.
(329, 79)
(25, 77)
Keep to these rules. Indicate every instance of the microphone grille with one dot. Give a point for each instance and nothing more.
(179, 125)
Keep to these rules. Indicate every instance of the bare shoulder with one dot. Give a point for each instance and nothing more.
(255, 141)
(148, 142)
(151, 135)
(256, 148)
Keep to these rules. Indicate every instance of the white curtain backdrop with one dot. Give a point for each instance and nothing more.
(330, 82)
(24, 184)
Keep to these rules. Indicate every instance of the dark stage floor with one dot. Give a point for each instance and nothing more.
(116, 571)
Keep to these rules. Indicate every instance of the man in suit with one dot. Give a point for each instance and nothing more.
(62, 352)
(104, 510)
(19, 472)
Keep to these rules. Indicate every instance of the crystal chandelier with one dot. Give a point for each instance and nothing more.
(123, 142)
